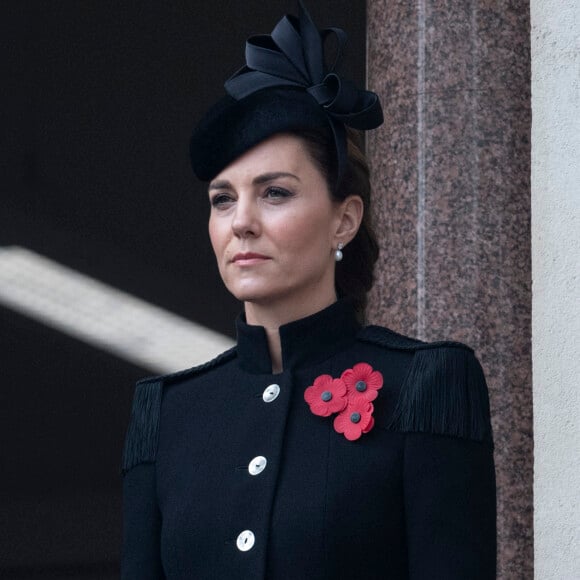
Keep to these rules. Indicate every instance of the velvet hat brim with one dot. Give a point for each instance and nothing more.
(232, 127)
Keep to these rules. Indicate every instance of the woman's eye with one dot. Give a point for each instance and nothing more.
(220, 200)
(277, 192)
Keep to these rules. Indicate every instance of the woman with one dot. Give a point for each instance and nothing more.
(316, 448)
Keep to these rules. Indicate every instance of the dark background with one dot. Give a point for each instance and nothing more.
(98, 100)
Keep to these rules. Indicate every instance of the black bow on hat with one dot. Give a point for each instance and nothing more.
(287, 65)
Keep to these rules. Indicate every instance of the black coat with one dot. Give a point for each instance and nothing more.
(414, 498)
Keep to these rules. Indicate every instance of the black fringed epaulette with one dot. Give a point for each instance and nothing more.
(185, 374)
(391, 339)
(444, 392)
(143, 432)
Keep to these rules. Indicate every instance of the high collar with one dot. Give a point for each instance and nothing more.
(304, 341)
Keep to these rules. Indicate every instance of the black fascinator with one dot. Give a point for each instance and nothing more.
(284, 85)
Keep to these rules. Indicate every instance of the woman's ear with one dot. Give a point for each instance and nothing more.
(350, 213)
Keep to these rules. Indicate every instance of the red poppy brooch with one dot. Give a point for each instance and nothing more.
(350, 396)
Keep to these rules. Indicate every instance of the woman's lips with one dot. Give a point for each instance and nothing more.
(249, 259)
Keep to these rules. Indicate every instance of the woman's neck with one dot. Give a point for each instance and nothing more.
(272, 318)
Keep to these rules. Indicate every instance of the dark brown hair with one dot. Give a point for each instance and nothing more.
(355, 273)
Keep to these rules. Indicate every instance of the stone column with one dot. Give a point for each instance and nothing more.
(451, 171)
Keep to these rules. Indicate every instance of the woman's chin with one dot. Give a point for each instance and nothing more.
(264, 297)
(251, 294)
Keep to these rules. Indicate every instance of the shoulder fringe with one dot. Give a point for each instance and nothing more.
(192, 371)
(444, 393)
(143, 432)
(391, 339)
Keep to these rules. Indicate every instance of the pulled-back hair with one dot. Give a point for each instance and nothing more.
(355, 273)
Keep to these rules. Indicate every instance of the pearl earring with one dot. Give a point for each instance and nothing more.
(338, 253)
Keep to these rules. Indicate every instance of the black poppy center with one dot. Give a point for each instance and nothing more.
(355, 417)
(361, 386)
(326, 396)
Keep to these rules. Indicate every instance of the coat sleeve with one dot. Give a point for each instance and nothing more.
(449, 475)
(141, 516)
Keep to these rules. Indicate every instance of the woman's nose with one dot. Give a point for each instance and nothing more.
(245, 222)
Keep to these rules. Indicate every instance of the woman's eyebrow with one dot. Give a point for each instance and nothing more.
(260, 179)
(265, 177)
(221, 184)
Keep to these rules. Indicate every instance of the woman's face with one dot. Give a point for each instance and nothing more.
(274, 227)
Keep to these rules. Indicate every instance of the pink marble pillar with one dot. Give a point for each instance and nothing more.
(451, 171)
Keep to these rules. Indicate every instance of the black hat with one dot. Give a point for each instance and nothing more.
(285, 85)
